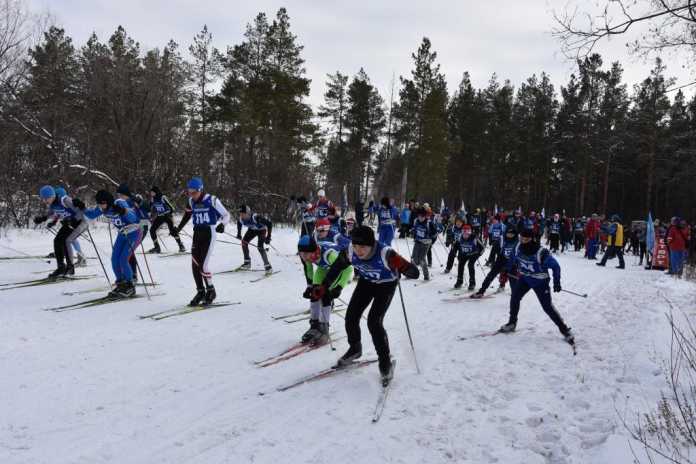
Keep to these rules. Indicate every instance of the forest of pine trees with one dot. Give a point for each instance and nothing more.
(240, 118)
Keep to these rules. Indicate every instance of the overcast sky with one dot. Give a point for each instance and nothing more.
(509, 37)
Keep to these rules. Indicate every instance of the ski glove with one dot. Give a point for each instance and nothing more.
(318, 292)
(268, 240)
(307, 293)
(39, 219)
(220, 228)
(556, 287)
(331, 295)
(79, 204)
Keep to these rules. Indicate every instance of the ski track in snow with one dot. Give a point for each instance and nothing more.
(99, 385)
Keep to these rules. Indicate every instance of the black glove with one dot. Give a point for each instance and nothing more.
(39, 219)
(307, 293)
(411, 272)
(268, 240)
(556, 287)
(79, 204)
(220, 228)
(331, 295)
(51, 224)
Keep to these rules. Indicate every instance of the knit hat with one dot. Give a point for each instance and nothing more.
(363, 235)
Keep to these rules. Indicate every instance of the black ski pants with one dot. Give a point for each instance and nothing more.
(250, 235)
(380, 294)
(543, 293)
(157, 223)
(201, 249)
(60, 244)
(469, 260)
(498, 267)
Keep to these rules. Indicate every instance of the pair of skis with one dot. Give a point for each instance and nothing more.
(293, 351)
(106, 289)
(44, 281)
(181, 310)
(498, 332)
(336, 369)
(96, 302)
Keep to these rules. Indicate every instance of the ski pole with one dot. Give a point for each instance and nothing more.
(581, 295)
(137, 267)
(111, 239)
(147, 265)
(436, 255)
(408, 328)
(91, 239)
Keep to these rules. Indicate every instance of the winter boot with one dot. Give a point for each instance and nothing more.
(600, 264)
(620, 267)
(58, 273)
(210, 295)
(458, 283)
(509, 327)
(477, 295)
(322, 337)
(81, 260)
(69, 270)
(155, 249)
(354, 352)
(472, 286)
(198, 297)
(268, 269)
(308, 336)
(386, 370)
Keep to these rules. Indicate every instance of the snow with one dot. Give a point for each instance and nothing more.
(100, 385)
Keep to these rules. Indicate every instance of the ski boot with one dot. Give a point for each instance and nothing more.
(458, 283)
(81, 260)
(476, 295)
(568, 336)
(210, 295)
(198, 297)
(127, 290)
(182, 249)
(354, 352)
(70, 270)
(600, 264)
(472, 287)
(58, 273)
(245, 267)
(118, 291)
(446, 271)
(308, 336)
(500, 289)
(322, 335)
(155, 249)
(268, 269)
(386, 370)
(507, 328)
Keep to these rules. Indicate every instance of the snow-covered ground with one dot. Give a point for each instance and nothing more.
(101, 385)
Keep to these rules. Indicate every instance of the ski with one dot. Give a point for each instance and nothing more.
(97, 302)
(187, 310)
(264, 276)
(382, 398)
(324, 374)
(449, 290)
(292, 320)
(233, 271)
(488, 334)
(465, 297)
(295, 351)
(7, 258)
(173, 254)
(105, 289)
(44, 281)
(298, 313)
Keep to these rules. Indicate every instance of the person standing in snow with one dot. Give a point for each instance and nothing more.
(529, 265)
(452, 235)
(257, 226)
(500, 264)
(161, 211)
(332, 274)
(615, 242)
(209, 217)
(470, 249)
(379, 268)
(387, 216)
(424, 233)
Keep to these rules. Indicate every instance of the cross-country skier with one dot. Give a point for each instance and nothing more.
(257, 226)
(379, 268)
(323, 205)
(129, 235)
(80, 260)
(500, 264)
(452, 235)
(405, 221)
(207, 211)
(387, 217)
(333, 273)
(470, 248)
(72, 224)
(529, 265)
(424, 234)
(134, 202)
(161, 211)
(496, 231)
(554, 232)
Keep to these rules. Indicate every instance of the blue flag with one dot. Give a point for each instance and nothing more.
(650, 233)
